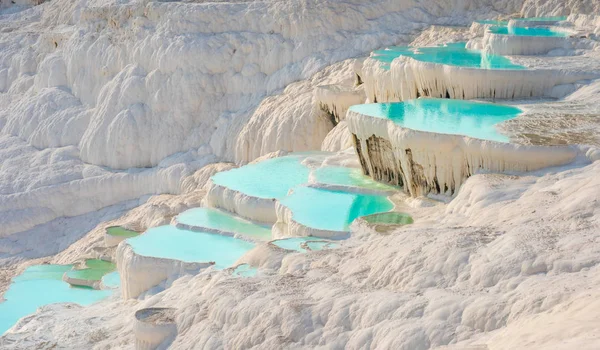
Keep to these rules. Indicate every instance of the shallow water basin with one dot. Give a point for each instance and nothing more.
(170, 242)
(219, 220)
(454, 54)
(41, 285)
(528, 31)
(444, 116)
(351, 177)
(332, 210)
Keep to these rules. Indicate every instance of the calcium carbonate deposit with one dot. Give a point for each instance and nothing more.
(300, 174)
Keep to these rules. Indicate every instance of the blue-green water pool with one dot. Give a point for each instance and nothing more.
(271, 178)
(170, 242)
(332, 210)
(297, 243)
(245, 270)
(220, 220)
(445, 116)
(454, 54)
(493, 22)
(41, 285)
(351, 177)
(112, 280)
(528, 31)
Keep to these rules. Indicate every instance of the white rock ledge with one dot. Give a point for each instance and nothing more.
(81, 282)
(408, 78)
(213, 231)
(154, 328)
(140, 273)
(336, 99)
(501, 44)
(425, 162)
(252, 208)
(286, 227)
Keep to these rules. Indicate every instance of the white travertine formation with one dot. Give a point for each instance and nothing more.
(336, 99)
(140, 273)
(499, 44)
(337, 139)
(81, 282)
(286, 226)
(249, 207)
(154, 328)
(409, 78)
(424, 162)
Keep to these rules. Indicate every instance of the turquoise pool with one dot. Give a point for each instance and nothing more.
(493, 22)
(297, 243)
(170, 242)
(351, 177)
(271, 178)
(245, 270)
(41, 285)
(219, 220)
(526, 31)
(444, 116)
(332, 210)
(454, 54)
(112, 280)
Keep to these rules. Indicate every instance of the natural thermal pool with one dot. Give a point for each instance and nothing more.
(352, 177)
(112, 280)
(94, 271)
(219, 220)
(528, 31)
(391, 218)
(118, 231)
(493, 22)
(444, 116)
(454, 54)
(332, 210)
(271, 178)
(41, 285)
(170, 242)
(300, 244)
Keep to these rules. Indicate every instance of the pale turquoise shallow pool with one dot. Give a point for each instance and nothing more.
(444, 116)
(219, 220)
(493, 22)
(41, 285)
(170, 242)
(351, 177)
(454, 54)
(271, 178)
(332, 210)
(528, 31)
(542, 19)
(298, 244)
(112, 280)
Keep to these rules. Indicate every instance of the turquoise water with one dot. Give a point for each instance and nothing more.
(445, 116)
(525, 31)
(170, 242)
(296, 243)
(219, 220)
(352, 177)
(494, 22)
(271, 178)
(112, 280)
(245, 270)
(41, 285)
(454, 54)
(332, 210)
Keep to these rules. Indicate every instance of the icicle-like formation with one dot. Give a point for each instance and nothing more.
(336, 99)
(424, 162)
(408, 78)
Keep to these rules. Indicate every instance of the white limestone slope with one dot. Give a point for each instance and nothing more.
(106, 101)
